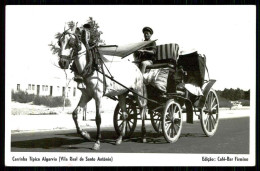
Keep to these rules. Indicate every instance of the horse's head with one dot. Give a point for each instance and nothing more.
(70, 45)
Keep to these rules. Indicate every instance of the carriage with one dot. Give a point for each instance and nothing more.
(186, 92)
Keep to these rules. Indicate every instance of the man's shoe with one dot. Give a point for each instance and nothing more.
(78, 79)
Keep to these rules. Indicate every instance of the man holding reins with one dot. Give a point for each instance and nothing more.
(147, 54)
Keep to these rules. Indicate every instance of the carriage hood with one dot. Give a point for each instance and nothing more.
(122, 50)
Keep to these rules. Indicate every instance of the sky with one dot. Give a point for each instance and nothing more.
(225, 34)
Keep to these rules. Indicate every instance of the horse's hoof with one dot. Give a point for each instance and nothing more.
(144, 140)
(96, 146)
(118, 141)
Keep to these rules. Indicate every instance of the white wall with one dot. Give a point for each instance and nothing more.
(45, 85)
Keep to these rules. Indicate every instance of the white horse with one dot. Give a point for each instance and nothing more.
(126, 73)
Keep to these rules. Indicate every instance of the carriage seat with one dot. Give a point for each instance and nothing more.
(166, 56)
(165, 63)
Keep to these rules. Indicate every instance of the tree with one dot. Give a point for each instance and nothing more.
(239, 94)
(225, 93)
(247, 95)
(66, 88)
(234, 94)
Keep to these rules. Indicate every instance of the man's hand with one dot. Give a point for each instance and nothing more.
(146, 52)
(142, 52)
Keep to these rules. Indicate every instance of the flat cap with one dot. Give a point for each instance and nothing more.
(148, 29)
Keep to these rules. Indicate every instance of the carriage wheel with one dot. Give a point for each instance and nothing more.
(172, 121)
(156, 120)
(209, 118)
(130, 121)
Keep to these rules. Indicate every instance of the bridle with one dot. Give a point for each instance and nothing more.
(76, 46)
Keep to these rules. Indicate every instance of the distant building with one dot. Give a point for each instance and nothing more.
(46, 87)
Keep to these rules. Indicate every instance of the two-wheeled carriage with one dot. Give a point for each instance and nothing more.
(187, 91)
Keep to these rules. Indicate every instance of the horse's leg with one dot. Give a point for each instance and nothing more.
(98, 99)
(143, 113)
(143, 105)
(84, 99)
(84, 113)
(122, 104)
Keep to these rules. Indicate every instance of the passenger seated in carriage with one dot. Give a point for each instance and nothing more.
(146, 55)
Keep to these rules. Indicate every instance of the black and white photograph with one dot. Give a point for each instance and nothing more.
(130, 85)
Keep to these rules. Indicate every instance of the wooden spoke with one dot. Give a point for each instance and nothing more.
(129, 126)
(168, 126)
(207, 119)
(168, 117)
(126, 127)
(213, 102)
(173, 128)
(120, 124)
(212, 124)
(214, 107)
(131, 122)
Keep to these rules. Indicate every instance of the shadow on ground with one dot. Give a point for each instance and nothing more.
(71, 140)
(46, 143)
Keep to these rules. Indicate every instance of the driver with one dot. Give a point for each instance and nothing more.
(147, 53)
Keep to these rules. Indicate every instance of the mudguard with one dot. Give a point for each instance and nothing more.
(207, 86)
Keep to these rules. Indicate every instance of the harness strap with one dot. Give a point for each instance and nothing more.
(87, 71)
(98, 60)
(104, 80)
